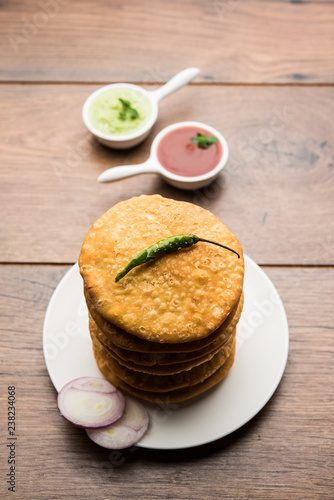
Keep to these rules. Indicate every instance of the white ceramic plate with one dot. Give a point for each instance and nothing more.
(262, 351)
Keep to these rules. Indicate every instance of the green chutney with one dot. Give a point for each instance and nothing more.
(106, 111)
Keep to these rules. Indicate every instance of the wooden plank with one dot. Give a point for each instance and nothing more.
(230, 40)
(275, 193)
(284, 452)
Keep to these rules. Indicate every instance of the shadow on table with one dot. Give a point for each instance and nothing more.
(126, 458)
(203, 197)
(187, 454)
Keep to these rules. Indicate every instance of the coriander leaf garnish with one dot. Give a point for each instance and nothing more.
(127, 110)
(134, 113)
(125, 102)
(204, 141)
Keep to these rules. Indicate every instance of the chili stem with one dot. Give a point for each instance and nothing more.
(165, 246)
(223, 246)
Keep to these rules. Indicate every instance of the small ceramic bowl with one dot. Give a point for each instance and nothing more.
(124, 141)
(152, 165)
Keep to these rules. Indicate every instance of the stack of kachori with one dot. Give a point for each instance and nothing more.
(166, 331)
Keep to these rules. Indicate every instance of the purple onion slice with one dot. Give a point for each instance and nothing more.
(91, 402)
(127, 431)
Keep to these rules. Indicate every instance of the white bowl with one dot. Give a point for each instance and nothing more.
(123, 141)
(131, 139)
(183, 182)
(152, 165)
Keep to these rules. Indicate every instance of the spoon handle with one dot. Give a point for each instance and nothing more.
(116, 173)
(179, 80)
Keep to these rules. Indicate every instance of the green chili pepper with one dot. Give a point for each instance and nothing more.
(162, 247)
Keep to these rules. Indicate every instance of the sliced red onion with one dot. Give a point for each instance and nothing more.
(127, 431)
(91, 402)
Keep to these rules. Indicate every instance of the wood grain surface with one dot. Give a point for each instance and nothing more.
(285, 452)
(266, 82)
(278, 181)
(233, 41)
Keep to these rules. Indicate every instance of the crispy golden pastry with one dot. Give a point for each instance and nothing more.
(168, 397)
(156, 369)
(180, 297)
(154, 360)
(165, 383)
(114, 337)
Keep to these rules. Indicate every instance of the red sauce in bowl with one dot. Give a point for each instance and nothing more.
(177, 154)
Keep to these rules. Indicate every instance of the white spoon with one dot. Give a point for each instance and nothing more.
(154, 96)
(152, 164)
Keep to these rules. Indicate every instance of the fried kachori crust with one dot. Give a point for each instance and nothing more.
(125, 344)
(153, 361)
(156, 369)
(165, 383)
(169, 397)
(180, 297)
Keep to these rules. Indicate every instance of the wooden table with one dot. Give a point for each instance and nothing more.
(266, 81)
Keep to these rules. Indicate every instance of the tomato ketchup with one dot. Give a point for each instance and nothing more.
(179, 155)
